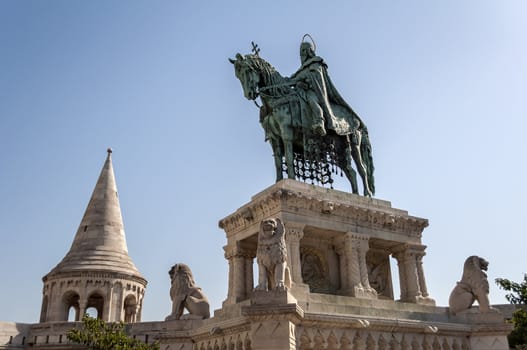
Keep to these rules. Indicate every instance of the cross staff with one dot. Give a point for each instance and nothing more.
(255, 49)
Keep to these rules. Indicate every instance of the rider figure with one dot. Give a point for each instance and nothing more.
(311, 81)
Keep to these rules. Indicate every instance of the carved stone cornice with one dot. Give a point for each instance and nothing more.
(77, 284)
(292, 312)
(356, 237)
(352, 211)
(88, 275)
(406, 251)
(255, 211)
(232, 251)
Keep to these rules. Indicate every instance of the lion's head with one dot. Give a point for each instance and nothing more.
(473, 273)
(181, 278)
(271, 227)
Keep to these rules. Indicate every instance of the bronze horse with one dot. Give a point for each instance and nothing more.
(289, 131)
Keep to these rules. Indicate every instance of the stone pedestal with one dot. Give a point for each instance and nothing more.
(329, 236)
(274, 316)
(339, 252)
(272, 298)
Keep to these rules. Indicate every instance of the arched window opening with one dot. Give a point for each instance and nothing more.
(72, 314)
(95, 305)
(92, 312)
(71, 307)
(130, 309)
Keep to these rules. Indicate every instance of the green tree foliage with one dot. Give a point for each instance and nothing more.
(99, 335)
(517, 296)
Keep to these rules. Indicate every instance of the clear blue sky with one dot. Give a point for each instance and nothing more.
(441, 86)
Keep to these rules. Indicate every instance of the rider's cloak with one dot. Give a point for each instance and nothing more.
(339, 116)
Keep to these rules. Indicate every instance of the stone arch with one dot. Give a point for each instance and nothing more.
(96, 300)
(70, 300)
(130, 308)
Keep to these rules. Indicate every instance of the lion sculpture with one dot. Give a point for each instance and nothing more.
(473, 286)
(185, 295)
(271, 256)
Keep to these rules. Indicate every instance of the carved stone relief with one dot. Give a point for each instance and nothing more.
(314, 270)
(340, 339)
(379, 273)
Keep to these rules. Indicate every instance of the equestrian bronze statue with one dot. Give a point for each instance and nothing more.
(312, 130)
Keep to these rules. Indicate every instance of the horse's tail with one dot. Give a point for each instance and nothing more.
(367, 158)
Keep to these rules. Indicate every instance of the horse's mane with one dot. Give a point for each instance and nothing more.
(271, 76)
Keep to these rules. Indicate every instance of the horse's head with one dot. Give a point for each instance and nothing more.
(246, 71)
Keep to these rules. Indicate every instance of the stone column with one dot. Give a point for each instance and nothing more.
(83, 302)
(140, 307)
(406, 261)
(108, 312)
(344, 283)
(356, 271)
(402, 276)
(230, 288)
(352, 262)
(229, 255)
(293, 234)
(420, 273)
(249, 277)
(240, 272)
(119, 304)
(239, 276)
(411, 275)
(426, 299)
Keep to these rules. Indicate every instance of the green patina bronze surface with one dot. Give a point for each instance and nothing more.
(312, 130)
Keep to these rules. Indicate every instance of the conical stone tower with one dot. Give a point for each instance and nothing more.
(97, 272)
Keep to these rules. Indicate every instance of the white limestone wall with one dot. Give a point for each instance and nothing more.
(13, 335)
